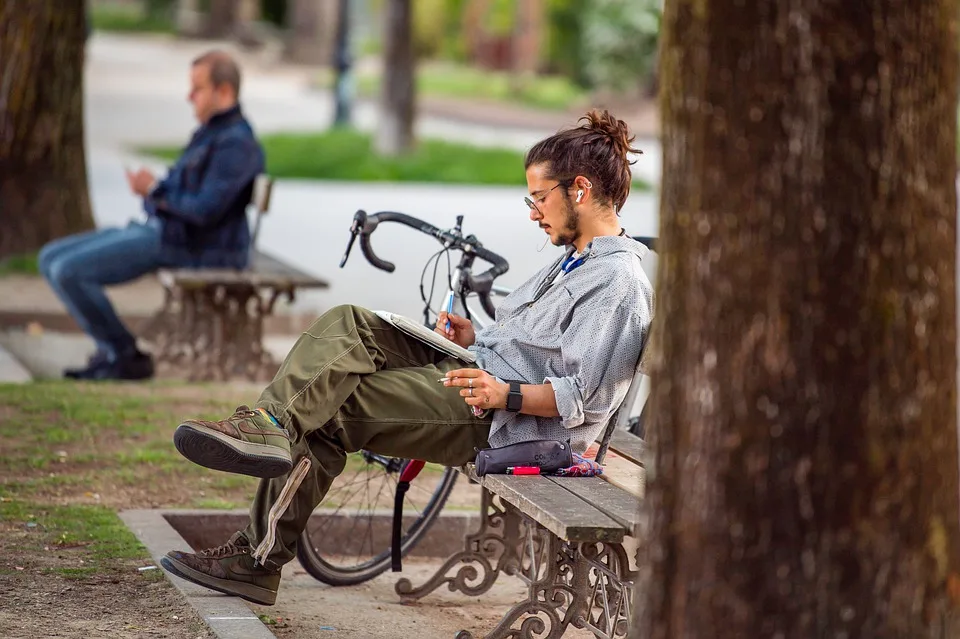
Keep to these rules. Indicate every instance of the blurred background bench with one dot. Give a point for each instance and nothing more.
(210, 326)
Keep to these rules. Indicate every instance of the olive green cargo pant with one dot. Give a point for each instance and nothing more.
(353, 381)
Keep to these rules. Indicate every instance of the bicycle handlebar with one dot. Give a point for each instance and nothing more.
(365, 224)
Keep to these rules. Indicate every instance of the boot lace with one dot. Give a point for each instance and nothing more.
(226, 550)
(243, 412)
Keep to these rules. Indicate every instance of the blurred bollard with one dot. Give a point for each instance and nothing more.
(342, 62)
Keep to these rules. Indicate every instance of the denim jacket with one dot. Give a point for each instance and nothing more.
(202, 201)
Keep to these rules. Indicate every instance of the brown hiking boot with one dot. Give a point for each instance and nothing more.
(228, 569)
(248, 442)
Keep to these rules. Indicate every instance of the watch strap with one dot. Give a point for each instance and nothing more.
(514, 398)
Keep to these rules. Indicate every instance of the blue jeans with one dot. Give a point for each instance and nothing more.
(79, 266)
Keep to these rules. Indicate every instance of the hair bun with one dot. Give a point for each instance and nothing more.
(616, 130)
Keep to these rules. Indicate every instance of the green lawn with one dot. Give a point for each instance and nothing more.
(346, 154)
(96, 530)
(25, 264)
(127, 18)
(74, 454)
(110, 445)
(448, 80)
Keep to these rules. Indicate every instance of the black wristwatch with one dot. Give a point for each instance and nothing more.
(514, 398)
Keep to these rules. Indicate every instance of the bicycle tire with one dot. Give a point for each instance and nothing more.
(638, 425)
(333, 570)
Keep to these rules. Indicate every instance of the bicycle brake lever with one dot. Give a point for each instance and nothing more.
(353, 236)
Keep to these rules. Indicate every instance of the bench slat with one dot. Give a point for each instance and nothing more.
(628, 445)
(555, 508)
(613, 501)
(620, 471)
(264, 270)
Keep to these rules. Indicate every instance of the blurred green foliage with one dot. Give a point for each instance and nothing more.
(596, 44)
(152, 17)
(619, 44)
(274, 11)
(455, 80)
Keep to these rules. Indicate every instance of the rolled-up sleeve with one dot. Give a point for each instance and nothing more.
(601, 346)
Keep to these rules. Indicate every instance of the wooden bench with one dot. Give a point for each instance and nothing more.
(211, 322)
(568, 539)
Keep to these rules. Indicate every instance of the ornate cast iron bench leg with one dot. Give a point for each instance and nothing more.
(585, 585)
(494, 548)
(604, 587)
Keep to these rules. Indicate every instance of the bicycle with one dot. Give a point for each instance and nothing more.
(363, 540)
(356, 548)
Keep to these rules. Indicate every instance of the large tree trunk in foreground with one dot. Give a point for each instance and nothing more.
(43, 172)
(805, 478)
(398, 93)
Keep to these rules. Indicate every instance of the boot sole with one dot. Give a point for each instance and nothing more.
(212, 449)
(250, 592)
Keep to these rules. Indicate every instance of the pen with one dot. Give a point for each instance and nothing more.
(448, 305)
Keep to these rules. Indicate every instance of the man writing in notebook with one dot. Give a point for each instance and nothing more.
(574, 332)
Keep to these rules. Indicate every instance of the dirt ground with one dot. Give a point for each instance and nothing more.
(40, 597)
(307, 609)
(72, 451)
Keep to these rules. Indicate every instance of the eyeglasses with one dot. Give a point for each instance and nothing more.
(532, 206)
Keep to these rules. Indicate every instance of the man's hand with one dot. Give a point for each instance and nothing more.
(141, 182)
(478, 388)
(461, 330)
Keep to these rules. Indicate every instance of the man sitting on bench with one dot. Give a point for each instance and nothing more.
(195, 218)
(353, 381)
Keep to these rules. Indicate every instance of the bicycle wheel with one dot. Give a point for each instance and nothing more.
(349, 542)
(638, 425)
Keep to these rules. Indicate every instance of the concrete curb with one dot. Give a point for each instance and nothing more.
(11, 370)
(228, 617)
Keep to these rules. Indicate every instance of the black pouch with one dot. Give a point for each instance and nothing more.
(546, 454)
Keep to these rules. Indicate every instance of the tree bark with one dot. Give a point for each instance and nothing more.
(805, 481)
(221, 19)
(398, 97)
(527, 38)
(43, 171)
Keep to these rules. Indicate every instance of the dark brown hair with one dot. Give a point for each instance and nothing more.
(223, 69)
(596, 150)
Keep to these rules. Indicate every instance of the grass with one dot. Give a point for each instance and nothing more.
(96, 528)
(67, 443)
(446, 80)
(126, 18)
(24, 264)
(346, 154)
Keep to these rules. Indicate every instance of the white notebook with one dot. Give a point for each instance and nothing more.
(425, 335)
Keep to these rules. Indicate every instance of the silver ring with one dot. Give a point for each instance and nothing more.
(471, 392)
(470, 382)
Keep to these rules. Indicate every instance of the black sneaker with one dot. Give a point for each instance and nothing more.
(131, 366)
(96, 360)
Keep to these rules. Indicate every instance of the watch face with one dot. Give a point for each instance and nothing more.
(514, 398)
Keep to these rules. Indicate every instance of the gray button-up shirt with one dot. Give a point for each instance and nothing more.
(582, 332)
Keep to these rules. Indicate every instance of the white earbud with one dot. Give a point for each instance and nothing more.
(579, 195)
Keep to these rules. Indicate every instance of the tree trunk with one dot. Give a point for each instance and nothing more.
(528, 37)
(805, 482)
(221, 19)
(43, 171)
(311, 31)
(398, 97)
(474, 34)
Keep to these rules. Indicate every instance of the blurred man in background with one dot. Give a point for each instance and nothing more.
(195, 218)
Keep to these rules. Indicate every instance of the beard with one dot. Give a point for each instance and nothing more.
(571, 225)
